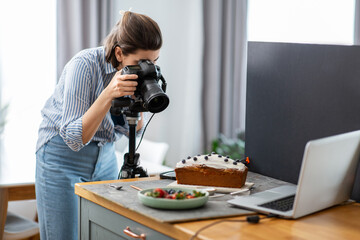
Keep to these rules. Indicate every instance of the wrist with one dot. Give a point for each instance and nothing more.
(105, 98)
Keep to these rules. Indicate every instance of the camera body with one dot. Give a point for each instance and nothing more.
(149, 95)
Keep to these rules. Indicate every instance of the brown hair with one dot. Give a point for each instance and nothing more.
(134, 31)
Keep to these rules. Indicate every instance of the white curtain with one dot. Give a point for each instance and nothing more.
(2, 115)
(224, 69)
(81, 24)
(27, 79)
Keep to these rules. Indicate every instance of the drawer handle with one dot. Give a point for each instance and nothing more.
(128, 232)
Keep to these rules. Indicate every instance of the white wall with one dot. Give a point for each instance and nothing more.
(181, 65)
(302, 21)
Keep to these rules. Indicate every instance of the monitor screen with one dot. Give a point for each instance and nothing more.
(297, 93)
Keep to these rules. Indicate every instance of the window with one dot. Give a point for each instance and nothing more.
(302, 21)
(27, 74)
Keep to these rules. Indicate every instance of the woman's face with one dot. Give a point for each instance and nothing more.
(134, 58)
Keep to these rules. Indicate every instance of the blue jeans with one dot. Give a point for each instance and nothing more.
(58, 168)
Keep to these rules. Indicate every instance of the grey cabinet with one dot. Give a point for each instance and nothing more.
(99, 223)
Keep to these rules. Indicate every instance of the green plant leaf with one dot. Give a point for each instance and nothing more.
(235, 148)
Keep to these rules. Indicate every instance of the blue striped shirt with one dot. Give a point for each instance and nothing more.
(83, 79)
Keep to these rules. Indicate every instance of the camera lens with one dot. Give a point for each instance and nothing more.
(158, 103)
(154, 98)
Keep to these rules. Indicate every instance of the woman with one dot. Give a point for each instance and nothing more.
(77, 134)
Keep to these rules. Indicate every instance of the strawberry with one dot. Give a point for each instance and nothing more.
(170, 196)
(159, 193)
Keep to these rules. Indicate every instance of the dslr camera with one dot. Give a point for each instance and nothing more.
(149, 95)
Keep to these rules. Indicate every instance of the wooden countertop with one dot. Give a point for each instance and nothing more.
(340, 222)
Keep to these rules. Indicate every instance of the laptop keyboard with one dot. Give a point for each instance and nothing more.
(284, 204)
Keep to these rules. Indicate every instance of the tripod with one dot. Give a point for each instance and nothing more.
(131, 167)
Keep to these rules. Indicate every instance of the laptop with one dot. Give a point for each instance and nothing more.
(326, 179)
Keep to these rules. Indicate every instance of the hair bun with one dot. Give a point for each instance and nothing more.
(122, 12)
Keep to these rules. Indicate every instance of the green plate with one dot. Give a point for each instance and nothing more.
(164, 203)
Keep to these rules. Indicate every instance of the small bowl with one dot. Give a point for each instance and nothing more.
(164, 203)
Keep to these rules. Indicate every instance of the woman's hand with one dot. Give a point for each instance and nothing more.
(121, 85)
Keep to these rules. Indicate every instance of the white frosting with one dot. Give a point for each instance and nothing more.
(210, 160)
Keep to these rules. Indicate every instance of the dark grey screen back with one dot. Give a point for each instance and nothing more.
(296, 93)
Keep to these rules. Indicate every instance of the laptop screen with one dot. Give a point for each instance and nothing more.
(296, 93)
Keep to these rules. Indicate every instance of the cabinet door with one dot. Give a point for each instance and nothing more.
(99, 223)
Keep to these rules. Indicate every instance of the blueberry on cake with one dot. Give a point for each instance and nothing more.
(211, 170)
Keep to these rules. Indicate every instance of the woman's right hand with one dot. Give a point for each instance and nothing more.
(121, 85)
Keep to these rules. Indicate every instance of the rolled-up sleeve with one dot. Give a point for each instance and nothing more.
(77, 97)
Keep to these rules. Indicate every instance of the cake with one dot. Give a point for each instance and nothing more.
(211, 170)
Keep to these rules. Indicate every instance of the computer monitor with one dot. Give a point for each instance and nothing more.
(296, 93)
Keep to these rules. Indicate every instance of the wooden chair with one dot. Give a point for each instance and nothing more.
(14, 226)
